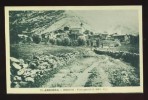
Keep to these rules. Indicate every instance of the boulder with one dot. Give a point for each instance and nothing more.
(27, 73)
(21, 61)
(44, 64)
(41, 67)
(29, 79)
(25, 65)
(21, 72)
(17, 78)
(33, 73)
(32, 65)
(16, 66)
(12, 59)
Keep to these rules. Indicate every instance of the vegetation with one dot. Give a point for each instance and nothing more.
(66, 41)
(37, 39)
(31, 22)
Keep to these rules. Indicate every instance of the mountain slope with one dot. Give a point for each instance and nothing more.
(70, 20)
(32, 21)
(39, 22)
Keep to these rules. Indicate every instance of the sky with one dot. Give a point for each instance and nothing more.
(105, 20)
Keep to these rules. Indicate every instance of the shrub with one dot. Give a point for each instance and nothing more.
(37, 39)
(128, 57)
(81, 40)
(59, 41)
(66, 41)
(52, 41)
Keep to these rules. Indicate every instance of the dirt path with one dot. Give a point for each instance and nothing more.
(82, 78)
(104, 78)
(75, 72)
(78, 73)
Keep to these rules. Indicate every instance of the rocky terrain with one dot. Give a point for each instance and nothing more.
(34, 72)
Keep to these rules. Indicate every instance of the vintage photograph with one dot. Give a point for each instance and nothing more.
(94, 49)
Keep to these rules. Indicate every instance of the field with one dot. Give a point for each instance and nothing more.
(133, 48)
(87, 69)
(25, 51)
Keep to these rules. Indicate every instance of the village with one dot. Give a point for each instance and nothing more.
(79, 36)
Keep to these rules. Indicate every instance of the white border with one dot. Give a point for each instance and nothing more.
(136, 89)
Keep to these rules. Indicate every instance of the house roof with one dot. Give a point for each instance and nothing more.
(75, 28)
(116, 34)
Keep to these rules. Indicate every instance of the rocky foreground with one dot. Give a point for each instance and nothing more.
(34, 72)
(77, 69)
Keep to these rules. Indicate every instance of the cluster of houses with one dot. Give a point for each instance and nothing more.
(126, 38)
(75, 32)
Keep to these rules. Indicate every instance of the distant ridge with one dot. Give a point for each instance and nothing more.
(122, 30)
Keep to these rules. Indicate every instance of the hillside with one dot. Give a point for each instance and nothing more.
(42, 21)
(39, 22)
(71, 20)
(33, 21)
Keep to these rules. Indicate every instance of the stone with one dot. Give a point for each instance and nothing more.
(33, 73)
(17, 78)
(12, 59)
(23, 84)
(16, 66)
(29, 79)
(27, 73)
(21, 72)
(44, 64)
(42, 67)
(25, 65)
(21, 61)
(32, 65)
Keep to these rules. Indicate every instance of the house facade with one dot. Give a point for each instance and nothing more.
(120, 37)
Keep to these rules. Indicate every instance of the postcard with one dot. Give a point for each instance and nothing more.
(73, 49)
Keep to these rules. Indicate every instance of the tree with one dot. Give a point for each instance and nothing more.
(66, 41)
(60, 31)
(81, 40)
(86, 32)
(88, 42)
(66, 28)
(15, 26)
(52, 41)
(59, 41)
(37, 38)
(98, 42)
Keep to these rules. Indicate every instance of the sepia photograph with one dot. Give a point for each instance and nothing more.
(74, 49)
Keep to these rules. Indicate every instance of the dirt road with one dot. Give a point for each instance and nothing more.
(97, 70)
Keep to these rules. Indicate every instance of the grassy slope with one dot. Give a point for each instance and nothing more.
(25, 51)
